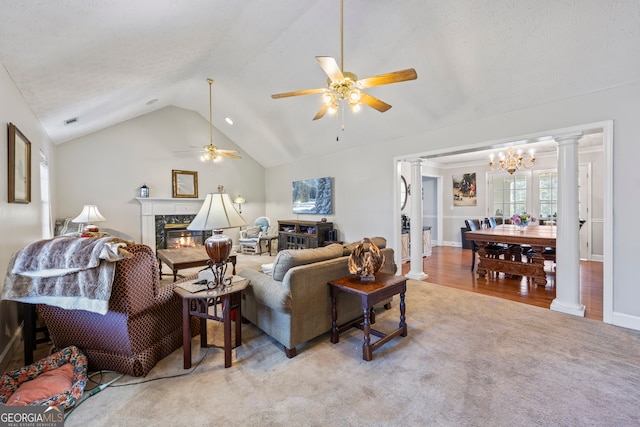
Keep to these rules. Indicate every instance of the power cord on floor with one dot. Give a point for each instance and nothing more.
(101, 386)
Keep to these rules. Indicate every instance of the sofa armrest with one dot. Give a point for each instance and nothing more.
(267, 291)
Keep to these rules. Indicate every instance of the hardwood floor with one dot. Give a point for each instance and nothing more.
(451, 266)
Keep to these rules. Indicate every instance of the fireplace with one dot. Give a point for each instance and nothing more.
(177, 236)
(171, 232)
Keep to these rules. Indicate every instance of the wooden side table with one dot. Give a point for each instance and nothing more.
(385, 286)
(200, 304)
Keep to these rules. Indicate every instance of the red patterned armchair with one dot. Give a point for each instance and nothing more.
(142, 326)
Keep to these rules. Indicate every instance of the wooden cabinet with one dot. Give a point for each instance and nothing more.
(405, 240)
(294, 234)
(404, 250)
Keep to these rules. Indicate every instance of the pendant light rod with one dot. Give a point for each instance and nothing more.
(341, 36)
(210, 113)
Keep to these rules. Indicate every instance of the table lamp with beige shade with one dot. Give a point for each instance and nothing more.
(89, 215)
(217, 213)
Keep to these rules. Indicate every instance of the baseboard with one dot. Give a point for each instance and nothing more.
(626, 321)
(454, 244)
(11, 348)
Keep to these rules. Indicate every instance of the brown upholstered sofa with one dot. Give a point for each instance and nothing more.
(142, 326)
(293, 304)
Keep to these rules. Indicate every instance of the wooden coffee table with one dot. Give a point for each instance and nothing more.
(204, 304)
(385, 286)
(181, 258)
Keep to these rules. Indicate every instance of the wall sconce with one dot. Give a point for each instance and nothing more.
(239, 201)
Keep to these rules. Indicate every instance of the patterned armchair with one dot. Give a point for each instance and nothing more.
(143, 324)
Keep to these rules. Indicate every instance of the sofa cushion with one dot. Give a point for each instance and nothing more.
(380, 242)
(292, 258)
(253, 232)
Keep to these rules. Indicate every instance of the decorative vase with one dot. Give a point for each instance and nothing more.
(366, 260)
(218, 247)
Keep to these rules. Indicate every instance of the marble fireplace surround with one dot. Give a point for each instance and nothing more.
(150, 207)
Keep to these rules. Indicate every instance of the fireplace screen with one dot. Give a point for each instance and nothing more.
(177, 236)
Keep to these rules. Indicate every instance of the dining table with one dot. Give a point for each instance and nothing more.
(538, 237)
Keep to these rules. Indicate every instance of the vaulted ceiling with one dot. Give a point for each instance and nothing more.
(104, 61)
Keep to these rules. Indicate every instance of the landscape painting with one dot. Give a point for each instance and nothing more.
(312, 196)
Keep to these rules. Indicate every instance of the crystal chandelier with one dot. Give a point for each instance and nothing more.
(512, 163)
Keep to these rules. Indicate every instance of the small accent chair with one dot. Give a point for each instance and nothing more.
(250, 242)
(142, 326)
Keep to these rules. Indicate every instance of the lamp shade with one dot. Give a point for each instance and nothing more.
(217, 212)
(89, 214)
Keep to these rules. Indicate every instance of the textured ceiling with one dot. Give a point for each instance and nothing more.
(103, 60)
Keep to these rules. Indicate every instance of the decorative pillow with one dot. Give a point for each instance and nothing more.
(253, 232)
(380, 242)
(267, 268)
(292, 258)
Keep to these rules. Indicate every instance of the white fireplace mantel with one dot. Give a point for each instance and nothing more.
(150, 207)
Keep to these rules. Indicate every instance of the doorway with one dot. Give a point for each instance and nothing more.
(603, 128)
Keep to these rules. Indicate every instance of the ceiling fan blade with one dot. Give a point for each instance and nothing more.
(227, 151)
(385, 79)
(321, 112)
(374, 102)
(232, 156)
(297, 93)
(330, 66)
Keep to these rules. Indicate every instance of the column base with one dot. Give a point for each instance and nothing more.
(420, 275)
(575, 309)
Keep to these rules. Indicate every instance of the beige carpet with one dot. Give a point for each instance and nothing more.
(469, 359)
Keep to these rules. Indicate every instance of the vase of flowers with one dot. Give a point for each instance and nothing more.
(522, 220)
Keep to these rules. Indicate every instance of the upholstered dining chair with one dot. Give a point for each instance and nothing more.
(249, 240)
(493, 250)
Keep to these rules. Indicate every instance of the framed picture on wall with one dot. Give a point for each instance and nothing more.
(464, 190)
(185, 184)
(19, 166)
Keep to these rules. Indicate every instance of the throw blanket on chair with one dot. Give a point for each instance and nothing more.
(74, 273)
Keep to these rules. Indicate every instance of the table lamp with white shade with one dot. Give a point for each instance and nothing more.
(217, 212)
(89, 215)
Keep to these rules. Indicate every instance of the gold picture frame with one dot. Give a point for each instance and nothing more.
(185, 184)
(19, 166)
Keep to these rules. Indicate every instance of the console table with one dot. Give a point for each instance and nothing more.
(294, 234)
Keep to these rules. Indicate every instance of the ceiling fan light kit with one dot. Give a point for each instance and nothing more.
(344, 87)
(212, 153)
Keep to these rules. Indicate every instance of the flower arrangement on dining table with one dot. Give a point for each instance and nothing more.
(522, 219)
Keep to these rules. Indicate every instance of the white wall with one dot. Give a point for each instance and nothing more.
(19, 223)
(364, 178)
(108, 167)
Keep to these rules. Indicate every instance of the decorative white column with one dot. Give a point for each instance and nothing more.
(417, 266)
(568, 232)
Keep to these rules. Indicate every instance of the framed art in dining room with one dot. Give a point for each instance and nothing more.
(185, 184)
(19, 166)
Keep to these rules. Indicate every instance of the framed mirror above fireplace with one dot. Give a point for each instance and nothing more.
(185, 184)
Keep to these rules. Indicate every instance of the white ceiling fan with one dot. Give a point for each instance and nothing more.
(212, 152)
(345, 86)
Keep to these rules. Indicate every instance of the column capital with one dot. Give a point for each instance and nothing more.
(568, 136)
(416, 160)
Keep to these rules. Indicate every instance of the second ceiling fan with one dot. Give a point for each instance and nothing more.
(345, 86)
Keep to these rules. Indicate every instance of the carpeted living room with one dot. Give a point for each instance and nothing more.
(142, 127)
